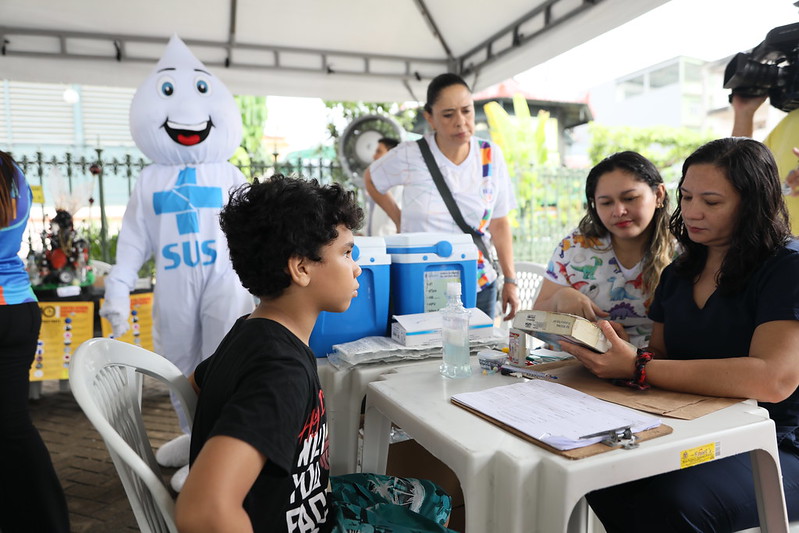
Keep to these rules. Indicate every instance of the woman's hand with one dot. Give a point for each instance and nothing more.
(618, 362)
(510, 300)
(620, 331)
(572, 301)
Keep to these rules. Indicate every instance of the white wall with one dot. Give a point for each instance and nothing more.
(658, 107)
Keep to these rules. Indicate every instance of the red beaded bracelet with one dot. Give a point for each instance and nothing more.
(638, 381)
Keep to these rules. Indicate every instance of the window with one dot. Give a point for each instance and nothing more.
(105, 115)
(664, 76)
(692, 73)
(631, 87)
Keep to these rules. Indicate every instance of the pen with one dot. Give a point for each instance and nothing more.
(507, 371)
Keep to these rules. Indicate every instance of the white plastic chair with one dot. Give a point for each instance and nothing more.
(529, 279)
(105, 377)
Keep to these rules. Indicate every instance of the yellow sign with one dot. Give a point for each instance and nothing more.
(140, 321)
(65, 325)
(38, 194)
(700, 454)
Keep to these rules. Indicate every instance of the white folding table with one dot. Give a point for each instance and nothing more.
(510, 484)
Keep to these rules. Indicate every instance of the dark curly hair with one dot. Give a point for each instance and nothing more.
(762, 223)
(660, 251)
(269, 222)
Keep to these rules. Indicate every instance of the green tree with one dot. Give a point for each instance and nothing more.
(666, 147)
(548, 196)
(349, 111)
(253, 117)
(523, 142)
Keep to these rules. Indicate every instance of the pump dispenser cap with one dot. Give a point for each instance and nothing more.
(454, 288)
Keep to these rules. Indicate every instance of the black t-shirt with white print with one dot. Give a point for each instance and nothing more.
(261, 386)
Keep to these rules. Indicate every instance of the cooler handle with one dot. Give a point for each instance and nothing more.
(442, 248)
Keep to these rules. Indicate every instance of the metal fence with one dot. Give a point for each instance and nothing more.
(116, 176)
(550, 204)
(550, 200)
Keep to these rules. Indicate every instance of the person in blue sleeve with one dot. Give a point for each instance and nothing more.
(31, 497)
(726, 323)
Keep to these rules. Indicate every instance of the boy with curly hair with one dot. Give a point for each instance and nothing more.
(259, 455)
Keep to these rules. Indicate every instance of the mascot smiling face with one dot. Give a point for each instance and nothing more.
(182, 114)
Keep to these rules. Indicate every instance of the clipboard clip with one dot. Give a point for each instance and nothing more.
(622, 437)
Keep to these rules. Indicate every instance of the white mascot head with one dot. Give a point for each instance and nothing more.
(182, 114)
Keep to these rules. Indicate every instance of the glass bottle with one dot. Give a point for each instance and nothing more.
(455, 335)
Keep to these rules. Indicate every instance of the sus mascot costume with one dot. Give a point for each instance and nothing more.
(186, 121)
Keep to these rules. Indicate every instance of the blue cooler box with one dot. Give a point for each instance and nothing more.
(368, 313)
(421, 266)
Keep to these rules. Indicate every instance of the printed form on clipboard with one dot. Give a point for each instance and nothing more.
(554, 414)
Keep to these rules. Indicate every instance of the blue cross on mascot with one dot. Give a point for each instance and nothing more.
(185, 199)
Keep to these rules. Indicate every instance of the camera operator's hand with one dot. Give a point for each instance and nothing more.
(744, 114)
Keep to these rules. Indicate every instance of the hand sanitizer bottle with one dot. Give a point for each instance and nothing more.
(455, 335)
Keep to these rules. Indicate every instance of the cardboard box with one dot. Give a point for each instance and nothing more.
(552, 327)
(409, 459)
(424, 329)
(518, 347)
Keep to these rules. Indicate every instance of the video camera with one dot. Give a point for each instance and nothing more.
(771, 68)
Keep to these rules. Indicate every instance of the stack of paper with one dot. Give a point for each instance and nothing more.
(554, 414)
(386, 349)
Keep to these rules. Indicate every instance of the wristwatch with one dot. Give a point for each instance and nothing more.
(509, 280)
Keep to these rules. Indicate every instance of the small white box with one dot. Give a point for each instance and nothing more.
(423, 329)
(518, 347)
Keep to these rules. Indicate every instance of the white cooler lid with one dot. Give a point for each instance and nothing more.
(370, 251)
(405, 247)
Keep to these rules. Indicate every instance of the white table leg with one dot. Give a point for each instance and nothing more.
(578, 521)
(770, 499)
(341, 423)
(479, 512)
(376, 435)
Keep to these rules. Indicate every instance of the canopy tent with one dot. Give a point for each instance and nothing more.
(339, 50)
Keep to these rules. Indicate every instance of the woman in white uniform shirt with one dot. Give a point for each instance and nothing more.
(483, 192)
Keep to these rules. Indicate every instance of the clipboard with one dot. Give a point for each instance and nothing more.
(573, 454)
(657, 401)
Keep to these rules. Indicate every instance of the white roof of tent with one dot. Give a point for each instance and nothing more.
(368, 50)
